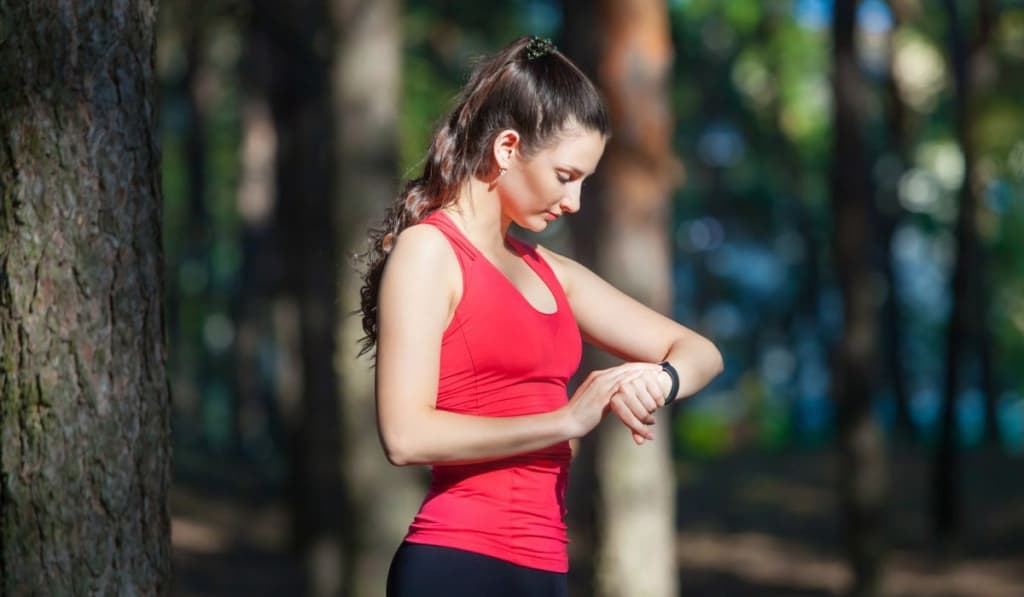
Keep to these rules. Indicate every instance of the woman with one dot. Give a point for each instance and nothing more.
(477, 333)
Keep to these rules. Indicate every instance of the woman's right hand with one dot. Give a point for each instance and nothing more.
(630, 390)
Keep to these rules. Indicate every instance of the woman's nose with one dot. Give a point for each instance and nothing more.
(571, 202)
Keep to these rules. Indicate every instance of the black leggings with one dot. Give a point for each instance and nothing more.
(429, 571)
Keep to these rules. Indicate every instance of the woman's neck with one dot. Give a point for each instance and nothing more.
(477, 211)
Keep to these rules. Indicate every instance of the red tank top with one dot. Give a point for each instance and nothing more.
(501, 357)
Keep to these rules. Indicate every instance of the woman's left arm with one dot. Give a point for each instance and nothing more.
(624, 327)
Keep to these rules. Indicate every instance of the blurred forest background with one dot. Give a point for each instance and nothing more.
(845, 219)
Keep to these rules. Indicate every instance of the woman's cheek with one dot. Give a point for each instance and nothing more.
(542, 188)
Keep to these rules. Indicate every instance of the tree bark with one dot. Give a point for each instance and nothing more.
(84, 401)
(625, 238)
(862, 467)
(365, 79)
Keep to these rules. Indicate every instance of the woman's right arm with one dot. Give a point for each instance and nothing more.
(418, 292)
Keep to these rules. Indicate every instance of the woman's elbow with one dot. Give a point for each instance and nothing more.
(396, 457)
(396, 453)
(714, 363)
(400, 449)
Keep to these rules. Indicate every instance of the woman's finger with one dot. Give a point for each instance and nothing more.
(630, 393)
(627, 416)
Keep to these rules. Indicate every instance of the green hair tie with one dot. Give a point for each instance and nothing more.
(539, 46)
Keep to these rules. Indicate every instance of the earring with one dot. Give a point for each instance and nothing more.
(501, 172)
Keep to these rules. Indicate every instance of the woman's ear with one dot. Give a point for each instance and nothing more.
(506, 147)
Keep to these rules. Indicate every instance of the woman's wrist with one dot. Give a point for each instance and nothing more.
(665, 382)
(567, 425)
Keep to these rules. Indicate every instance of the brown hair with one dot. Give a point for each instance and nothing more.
(528, 86)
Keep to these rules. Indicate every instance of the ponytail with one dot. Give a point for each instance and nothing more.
(528, 86)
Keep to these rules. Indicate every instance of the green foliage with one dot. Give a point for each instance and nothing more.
(425, 95)
(744, 15)
(998, 124)
(703, 433)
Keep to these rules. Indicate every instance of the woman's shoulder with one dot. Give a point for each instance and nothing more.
(423, 267)
(424, 249)
(423, 240)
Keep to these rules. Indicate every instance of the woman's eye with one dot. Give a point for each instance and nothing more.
(562, 178)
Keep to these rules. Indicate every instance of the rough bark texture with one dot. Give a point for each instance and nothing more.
(862, 465)
(366, 79)
(84, 407)
(625, 238)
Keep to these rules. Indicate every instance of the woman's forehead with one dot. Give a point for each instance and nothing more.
(579, 147)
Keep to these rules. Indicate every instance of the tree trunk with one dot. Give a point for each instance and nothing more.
(990, 384)
(889, 216)
(968, 317)
(366, 88)
(204, 365)
(582, 495)
(625, 238)
(196, 110)
(84, 402)
(297, 33)
(862, 468)
(260, 393)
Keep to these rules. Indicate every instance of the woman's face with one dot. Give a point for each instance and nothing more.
(536, 190)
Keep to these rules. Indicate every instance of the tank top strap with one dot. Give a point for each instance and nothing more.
(464, 250)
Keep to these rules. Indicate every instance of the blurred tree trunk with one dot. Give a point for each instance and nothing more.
(298, 34)
(889, 216)
(204, 366)
(969, 314)
(264, 315)
(84, 405)
(365, 80)
(988, 19)
(189, 368)
(582, 497)
(862, 465)
(624, 236)
(193, 81)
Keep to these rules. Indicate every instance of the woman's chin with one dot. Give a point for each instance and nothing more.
(533, 224)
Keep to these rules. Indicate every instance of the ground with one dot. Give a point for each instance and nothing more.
(751, 524)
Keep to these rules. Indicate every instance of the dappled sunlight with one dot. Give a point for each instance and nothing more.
(759, 560)
(208, 523)
(764, 524)
(762, 564)
(919, 70)
(193, 536)
(226, 546)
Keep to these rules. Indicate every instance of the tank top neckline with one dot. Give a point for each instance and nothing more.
(515, 243)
